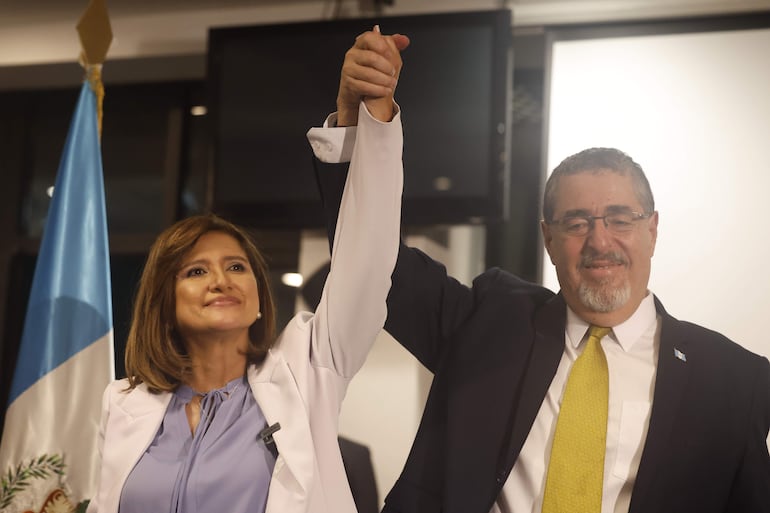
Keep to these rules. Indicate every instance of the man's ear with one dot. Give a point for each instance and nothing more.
(545, 228)
(653, 227)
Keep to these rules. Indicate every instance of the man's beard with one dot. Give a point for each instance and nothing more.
(603, 297)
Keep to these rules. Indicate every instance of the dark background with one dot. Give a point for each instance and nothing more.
(158, 168)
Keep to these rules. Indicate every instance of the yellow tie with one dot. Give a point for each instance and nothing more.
(576, 468)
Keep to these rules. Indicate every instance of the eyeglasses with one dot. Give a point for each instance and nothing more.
(581, 225)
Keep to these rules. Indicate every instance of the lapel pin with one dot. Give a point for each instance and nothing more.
(679, 354)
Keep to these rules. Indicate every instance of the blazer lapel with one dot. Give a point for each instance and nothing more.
(134, 419)
(547, 349)
(670, 383)
(276, 392)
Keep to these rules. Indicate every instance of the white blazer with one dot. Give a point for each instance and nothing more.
(303, 380)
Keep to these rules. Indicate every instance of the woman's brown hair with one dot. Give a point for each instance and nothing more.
(155, 353)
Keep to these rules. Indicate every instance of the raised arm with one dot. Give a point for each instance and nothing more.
(352, 309)
(424, 305)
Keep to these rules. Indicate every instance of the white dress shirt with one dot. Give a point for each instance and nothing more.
(632, 354)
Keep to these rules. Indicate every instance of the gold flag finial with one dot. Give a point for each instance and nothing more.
(95, 37)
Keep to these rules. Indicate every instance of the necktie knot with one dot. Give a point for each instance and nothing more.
(598, 332)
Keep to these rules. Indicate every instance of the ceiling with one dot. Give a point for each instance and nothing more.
(50, 10)
(14, 11)
(36, 32)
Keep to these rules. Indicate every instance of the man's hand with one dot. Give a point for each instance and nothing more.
(370, 72)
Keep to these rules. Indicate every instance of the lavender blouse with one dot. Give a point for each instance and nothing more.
(224, 466)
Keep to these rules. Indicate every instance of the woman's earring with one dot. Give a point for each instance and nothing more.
(259, 315)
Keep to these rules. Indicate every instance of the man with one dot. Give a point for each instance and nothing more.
(683, 413)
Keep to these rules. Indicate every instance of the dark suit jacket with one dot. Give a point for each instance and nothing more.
(494, 349)
(360, 472)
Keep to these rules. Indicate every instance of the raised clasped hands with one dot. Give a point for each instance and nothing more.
(370, 72)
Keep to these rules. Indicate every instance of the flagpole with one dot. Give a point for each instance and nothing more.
(95, 34)
(48, 451)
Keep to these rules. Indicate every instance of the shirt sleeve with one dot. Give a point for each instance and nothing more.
(332, 144)
(352, 309)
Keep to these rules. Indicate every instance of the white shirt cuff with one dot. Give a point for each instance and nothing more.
(334, 145)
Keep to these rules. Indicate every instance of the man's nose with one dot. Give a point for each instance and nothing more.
(599, 236)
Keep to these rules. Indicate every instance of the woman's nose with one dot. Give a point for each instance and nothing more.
(219, 280)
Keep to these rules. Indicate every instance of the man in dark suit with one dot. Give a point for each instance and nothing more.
(685, 412)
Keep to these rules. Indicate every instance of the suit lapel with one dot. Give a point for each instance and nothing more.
(276, 393)
(511, 377)
(544, 358)
(670, 383)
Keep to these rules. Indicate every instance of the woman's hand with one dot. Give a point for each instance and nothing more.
(370, 72)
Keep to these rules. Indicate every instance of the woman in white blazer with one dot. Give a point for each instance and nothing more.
(217, 412)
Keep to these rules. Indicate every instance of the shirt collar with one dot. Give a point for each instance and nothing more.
(626, 333)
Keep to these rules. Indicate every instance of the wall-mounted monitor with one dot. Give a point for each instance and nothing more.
(269, 84)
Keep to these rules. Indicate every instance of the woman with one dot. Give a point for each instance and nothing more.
(216, 415)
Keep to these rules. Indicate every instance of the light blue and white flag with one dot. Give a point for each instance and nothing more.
(48, 453)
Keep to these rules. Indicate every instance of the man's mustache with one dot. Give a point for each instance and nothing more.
(612, 257)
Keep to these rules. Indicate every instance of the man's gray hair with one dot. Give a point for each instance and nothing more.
(594, 160)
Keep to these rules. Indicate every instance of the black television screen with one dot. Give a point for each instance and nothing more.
(268, 84)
